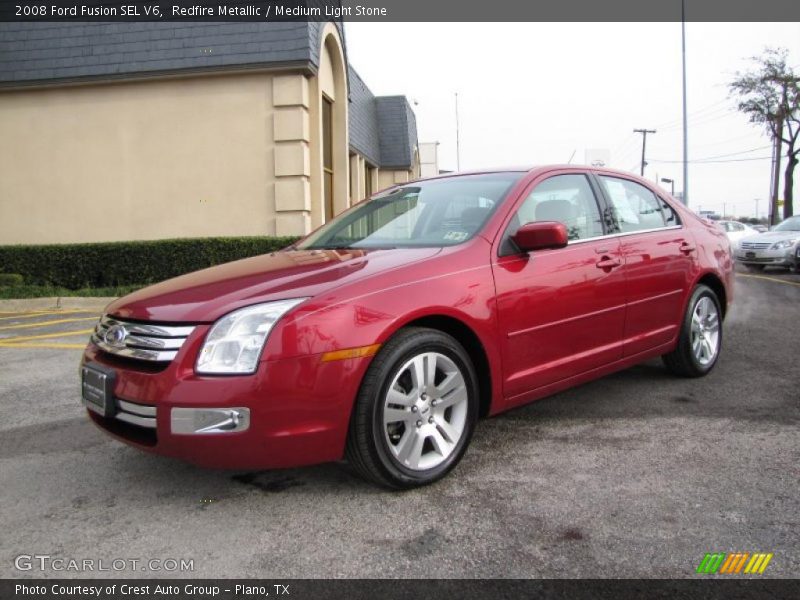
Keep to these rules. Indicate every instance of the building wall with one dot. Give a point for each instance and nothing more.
(429, 159)
(155, 159)
(201, 156)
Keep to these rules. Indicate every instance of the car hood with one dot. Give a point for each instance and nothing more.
(204, 296)
(772, 236)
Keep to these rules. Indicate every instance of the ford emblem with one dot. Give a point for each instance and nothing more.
(115, 336)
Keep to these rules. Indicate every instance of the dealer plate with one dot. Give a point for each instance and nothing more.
(97, 389)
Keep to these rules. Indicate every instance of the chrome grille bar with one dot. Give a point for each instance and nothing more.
(755, 245)
(144, 341)
(142, 415)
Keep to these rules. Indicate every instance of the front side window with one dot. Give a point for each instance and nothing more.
(635, 207)
(437, 212)
(565, 198)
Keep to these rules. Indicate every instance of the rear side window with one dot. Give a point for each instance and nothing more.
(635, 207)
(565, 198)
(670, 216)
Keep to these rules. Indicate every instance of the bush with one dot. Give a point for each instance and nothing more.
(10, 279)
(115, 264)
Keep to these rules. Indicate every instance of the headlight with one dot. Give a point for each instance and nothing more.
(234, 343)
(783, 244)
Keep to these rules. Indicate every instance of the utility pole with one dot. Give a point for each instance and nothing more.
(776, 174)
(458, 144)
(644, 133)
(685, 198)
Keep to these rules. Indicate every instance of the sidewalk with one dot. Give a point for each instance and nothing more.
(54, 303)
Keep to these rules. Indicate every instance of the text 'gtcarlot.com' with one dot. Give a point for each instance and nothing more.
(46, 562)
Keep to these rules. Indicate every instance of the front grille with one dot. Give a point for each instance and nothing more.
(760, 260)
(755, 245)
(144, 341)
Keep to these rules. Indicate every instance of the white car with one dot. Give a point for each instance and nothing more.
(736, 231)
(779, 247)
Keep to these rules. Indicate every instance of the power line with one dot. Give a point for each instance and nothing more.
(701, 162)
(695, 113)
(735, 153)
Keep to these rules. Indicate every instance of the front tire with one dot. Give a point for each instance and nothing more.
(415, 412)
(700, 340)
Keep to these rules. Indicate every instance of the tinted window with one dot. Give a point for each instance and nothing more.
(565, 198)
(635, 207)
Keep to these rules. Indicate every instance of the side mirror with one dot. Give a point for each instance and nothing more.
(541, 235)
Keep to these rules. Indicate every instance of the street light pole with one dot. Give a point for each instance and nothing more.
(671, 183)
(458, 144)
(685, 127)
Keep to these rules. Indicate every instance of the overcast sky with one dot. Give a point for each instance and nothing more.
(532, 93)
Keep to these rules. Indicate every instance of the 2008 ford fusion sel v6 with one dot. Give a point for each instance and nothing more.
(383, 336)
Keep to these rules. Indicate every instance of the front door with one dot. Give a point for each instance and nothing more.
(561, 311)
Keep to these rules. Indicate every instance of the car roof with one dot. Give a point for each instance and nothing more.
(531, 169)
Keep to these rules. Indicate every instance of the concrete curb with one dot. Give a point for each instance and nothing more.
(55, 303)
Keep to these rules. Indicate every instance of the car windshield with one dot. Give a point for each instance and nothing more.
(438, 212)
(790, 224)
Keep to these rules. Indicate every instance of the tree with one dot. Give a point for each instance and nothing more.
(769, 95)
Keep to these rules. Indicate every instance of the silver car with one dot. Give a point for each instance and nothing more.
(779, 247)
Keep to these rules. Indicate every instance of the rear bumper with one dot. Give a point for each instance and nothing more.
(299, 411)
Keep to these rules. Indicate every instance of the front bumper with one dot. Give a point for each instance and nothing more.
(785, 257)
(298, 409)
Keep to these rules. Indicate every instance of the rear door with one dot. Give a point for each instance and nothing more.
(561, 311)
(659, 256)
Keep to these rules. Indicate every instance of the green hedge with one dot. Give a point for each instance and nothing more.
(11, 279)
(113, 264)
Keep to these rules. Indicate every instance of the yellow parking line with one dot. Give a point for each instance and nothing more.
(42, 345)
(33, 314)
(769, 279)
(43, 323)
(44, 336)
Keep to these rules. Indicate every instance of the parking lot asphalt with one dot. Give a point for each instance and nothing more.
(638, 474)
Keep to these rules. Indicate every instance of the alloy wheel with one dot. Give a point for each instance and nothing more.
(425, 411)
(705, 331)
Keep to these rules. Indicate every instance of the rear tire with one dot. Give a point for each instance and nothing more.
(700, 340)
(415, 412)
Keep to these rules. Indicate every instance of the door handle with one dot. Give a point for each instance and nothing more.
(687, 248)
(608, 263)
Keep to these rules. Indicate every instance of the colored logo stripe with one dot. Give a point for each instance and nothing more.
(732, 563)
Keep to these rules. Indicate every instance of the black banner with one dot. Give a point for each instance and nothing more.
(386, 589)
(400, 10)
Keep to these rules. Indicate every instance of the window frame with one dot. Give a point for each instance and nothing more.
(610, 208)
(507, 247)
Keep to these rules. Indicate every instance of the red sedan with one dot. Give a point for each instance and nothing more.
(383, 336)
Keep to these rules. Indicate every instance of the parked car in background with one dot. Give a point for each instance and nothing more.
(760, 228)
(384, 335)
(735, 231)
(775, 248)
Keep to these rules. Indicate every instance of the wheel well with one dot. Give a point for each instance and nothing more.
(467, 338)
(716, 284)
